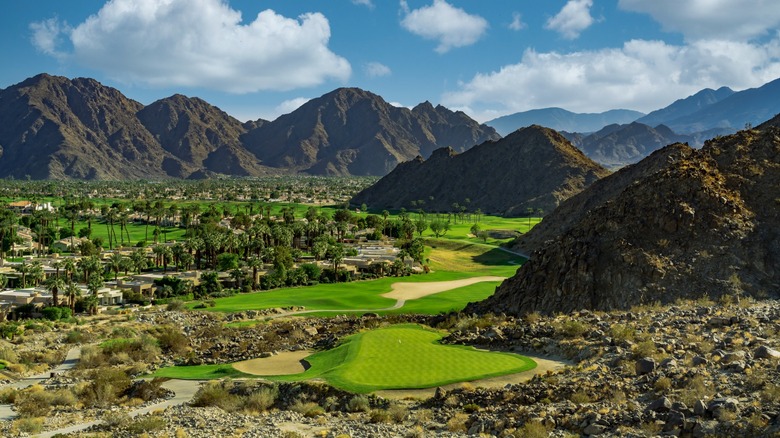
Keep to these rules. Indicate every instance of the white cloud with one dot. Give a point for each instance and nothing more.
(203, 43)
(46, 35)
(711, 19)
(290, 105)
(572, 19)
(368, 3)
(641, 75)
(452, 27)
(517, 22)
(376, 69)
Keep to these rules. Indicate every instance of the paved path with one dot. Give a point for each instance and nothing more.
(71, 359)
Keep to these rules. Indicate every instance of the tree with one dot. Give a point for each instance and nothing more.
(227, 262)
(115, 263)
(72, 292)
(475, 229)
(420, 225)
(335, 253)
(439, 227)
(55, 284)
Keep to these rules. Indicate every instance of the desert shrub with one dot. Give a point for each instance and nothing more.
(175, 305)
(580, 397)
(140, 349)
(379, 416)
(145, 424)
(398, 413)
(532, 429)
(571, 329)
(644, 349)
(532, 318)
(74, 337)
(34, 402)
(696, 389)
(28, 425)
(8, 354)
(770, 393)
(8, 395)
(173, 340)
(471, 408)
(260, 400)
(115, 420)
(663, 384)
(622, 332)
(146, 390)
(104, 387)
(457, 423)
(308, 409)
(358, 403)
(216, 394)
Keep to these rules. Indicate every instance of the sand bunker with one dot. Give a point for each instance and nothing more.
(288, 362)
(413, 291)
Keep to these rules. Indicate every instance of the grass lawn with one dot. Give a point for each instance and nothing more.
(450, 301)
(450, 260)
(405, 357)
(138, 232)
(200, 372)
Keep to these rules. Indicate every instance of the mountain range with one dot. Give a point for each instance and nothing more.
(683, 223)
(619, 137)
(59, 128)
(533, 167)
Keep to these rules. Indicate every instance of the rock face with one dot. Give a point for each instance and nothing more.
(54, 127)
(58, 128)
(682, 223)
(534, 167)
(350, 131)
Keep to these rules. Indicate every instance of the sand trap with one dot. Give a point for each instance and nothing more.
(542, 366)
(288, 362)
(413, 291)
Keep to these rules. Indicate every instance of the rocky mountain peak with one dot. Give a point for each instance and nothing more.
(682, 223)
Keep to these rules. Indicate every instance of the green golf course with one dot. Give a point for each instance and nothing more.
(405, 356)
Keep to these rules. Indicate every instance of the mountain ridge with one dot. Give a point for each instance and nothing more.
(534, 167)
(60, 128)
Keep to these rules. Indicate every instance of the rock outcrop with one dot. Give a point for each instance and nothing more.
(682, 223)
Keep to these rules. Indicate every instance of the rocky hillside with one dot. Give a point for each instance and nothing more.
(54, 127)
(682, 223)
(534, 167)
(619, 145)
(350, 131)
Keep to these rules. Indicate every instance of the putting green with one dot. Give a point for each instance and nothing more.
(405, 357)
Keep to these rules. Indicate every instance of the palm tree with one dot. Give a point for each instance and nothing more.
(23, 269)
(94, 284)
(138, 257)
(69, 266)
(255, 263)
(72, 292)
(115, 263)
(54, 284)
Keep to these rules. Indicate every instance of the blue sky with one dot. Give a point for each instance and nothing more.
(259, 59)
